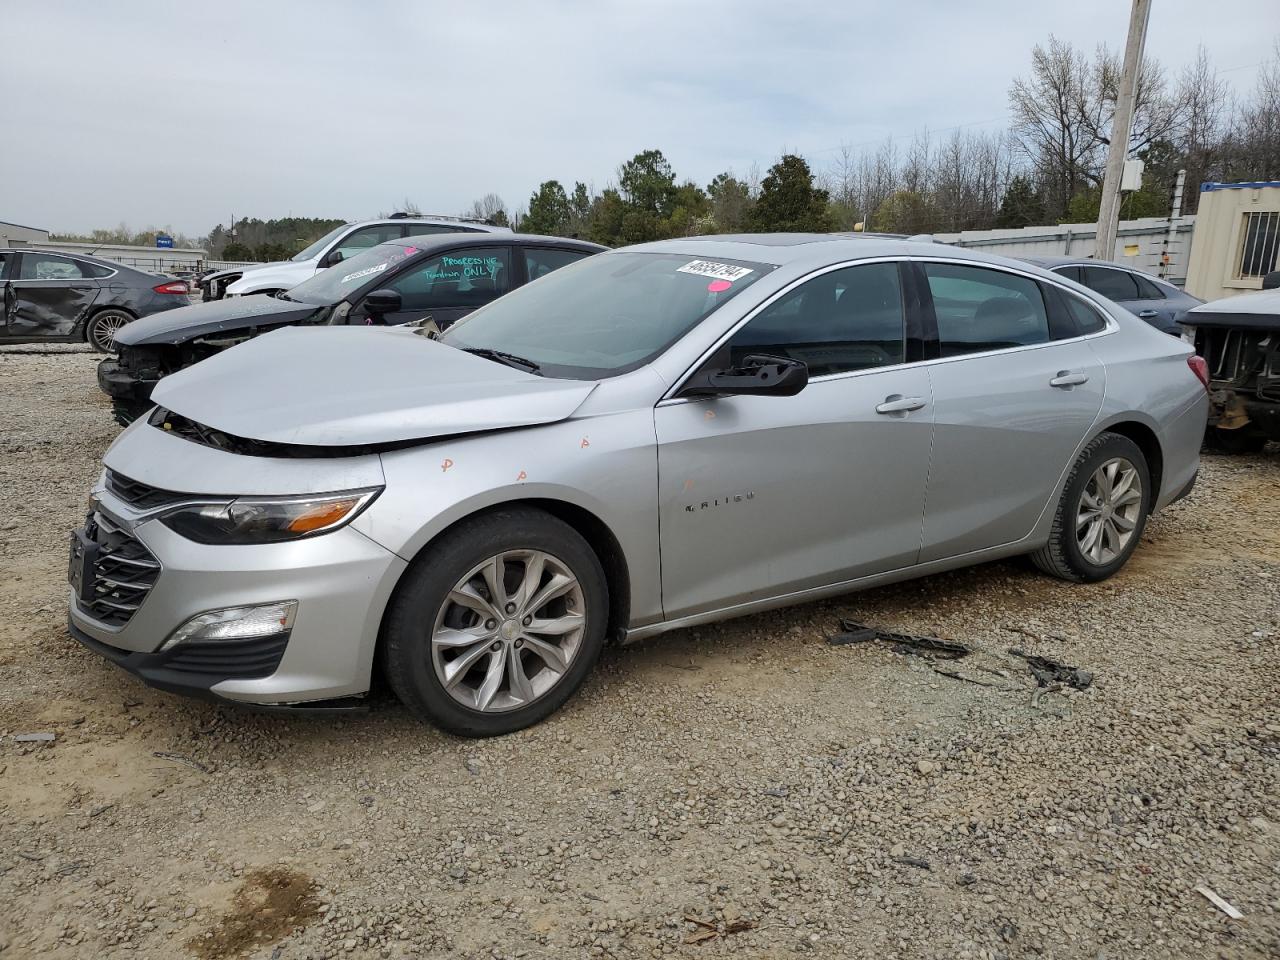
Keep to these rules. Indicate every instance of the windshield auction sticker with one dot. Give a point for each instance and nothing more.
(369, 271)
(717, 271)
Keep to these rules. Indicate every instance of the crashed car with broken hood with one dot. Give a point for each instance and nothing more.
(651, 438)
(441, 277)
(1239, 337)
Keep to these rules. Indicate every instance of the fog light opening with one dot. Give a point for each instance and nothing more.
(236, 623)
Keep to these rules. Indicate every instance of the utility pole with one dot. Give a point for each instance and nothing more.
(1109, 209)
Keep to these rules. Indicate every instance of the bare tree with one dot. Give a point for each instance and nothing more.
(490, 208)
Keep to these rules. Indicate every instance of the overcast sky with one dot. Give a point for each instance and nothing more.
(184, 114)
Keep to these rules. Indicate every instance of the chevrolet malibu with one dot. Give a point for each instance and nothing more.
(651, 438)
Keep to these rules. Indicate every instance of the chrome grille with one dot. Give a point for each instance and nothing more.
(124, 572)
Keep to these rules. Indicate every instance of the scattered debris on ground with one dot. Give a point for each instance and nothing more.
(902, 643)
(1049, 672)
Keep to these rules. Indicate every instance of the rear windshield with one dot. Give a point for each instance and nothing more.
(607, 314)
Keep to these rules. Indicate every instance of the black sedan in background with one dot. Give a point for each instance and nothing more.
(435, 279)
(61, 297)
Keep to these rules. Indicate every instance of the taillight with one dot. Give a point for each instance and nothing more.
(177, 286)
(1200, 367)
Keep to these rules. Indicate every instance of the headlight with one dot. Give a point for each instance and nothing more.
(268, 519)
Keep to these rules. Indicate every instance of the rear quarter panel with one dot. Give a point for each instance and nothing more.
(1149, 382)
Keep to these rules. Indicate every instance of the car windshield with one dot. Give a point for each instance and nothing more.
(313, 250)
(337, 282)
(607, 314)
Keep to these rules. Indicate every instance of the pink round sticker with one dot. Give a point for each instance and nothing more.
(719, 286)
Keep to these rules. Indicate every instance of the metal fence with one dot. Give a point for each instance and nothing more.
(1155, 245)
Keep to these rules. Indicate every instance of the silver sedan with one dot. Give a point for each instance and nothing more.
(652, 438)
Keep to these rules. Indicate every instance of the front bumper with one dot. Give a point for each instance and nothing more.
(341, 582)
(121, 384)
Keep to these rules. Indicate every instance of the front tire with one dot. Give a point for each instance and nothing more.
(497, 624)
(101, 330)
(1101, 514)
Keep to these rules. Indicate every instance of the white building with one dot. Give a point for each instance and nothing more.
(16, 235)
(1237, 238)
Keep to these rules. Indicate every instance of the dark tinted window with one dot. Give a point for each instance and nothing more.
(847, 319)
(539, 261)
(1071, 273)
(5, 260)
(1146, 289)
(459, 278)
(367, 237)
(95, 270)
(1112, 284)
(1086, 317)
(980, 309)
(47, 266)
(1070, 315)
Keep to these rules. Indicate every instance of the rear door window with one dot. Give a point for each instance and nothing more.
(366, 237)
(48, 266)
(1146, 289)
(980, 309)
(1116, 285)
(1071, 273)
(539, 261)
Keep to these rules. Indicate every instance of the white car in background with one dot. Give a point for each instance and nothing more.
(337, 245)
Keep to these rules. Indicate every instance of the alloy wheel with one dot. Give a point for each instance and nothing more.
(105, 329)
(508, 631)
(1109, 510)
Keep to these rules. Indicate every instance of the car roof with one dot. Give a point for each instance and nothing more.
(442, 241)
(1050, 263)
(814, 249)
(464, 224)
(73, 255)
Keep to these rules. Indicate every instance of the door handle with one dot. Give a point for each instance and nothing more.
(1147, 314)
(1066, 379)
(897, 403)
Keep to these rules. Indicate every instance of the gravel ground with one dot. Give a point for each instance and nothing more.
(744, 789)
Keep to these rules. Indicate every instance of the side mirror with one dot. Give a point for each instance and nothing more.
(382, 301)
(758, 374)
(331, 258)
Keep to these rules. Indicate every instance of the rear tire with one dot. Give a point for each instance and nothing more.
(1101, 513)
(100, 331)
(496, 624)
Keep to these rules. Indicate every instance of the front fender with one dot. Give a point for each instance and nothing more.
(605, 465)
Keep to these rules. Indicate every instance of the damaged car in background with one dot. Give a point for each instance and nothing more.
(442, 277)
(652, 438)
(341, 243)
(1239, 337)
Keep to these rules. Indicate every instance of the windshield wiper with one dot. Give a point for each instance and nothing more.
(510, 359)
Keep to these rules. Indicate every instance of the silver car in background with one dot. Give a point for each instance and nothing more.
(652, 438)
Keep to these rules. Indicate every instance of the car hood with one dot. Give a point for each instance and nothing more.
(1259, 310)
(274, 275)
(214, 316)
(242, 270)
(352, 386)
